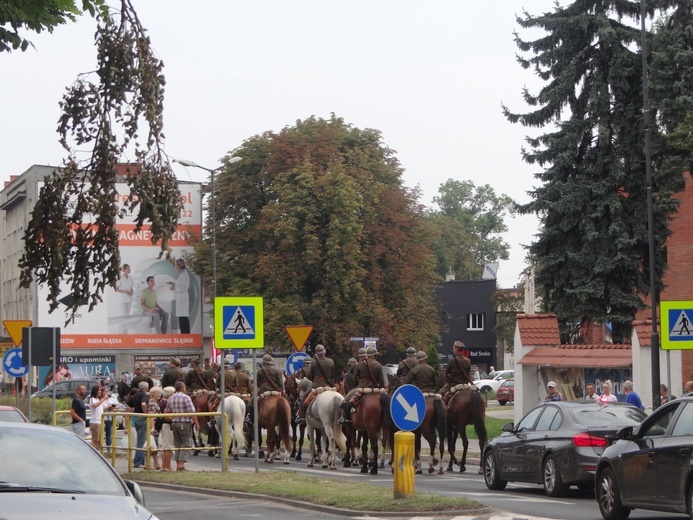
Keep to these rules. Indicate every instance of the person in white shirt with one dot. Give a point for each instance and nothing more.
(607, 396)
(181, 286)
(591, 393)
(125, 289)
(99, 395)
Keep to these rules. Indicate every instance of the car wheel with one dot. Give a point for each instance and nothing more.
(502, 403)
(553, 484)
(486, 390)
(491, 475)
(609, 497)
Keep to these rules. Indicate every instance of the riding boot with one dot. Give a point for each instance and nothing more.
(249, 415)
(446, 397)
(346, 413)
(301, 415)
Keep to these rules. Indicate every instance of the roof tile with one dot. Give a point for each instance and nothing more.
(538, 329)
(608, 355)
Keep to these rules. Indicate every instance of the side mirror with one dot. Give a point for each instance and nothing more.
(625, 433)
(508, 427)
(136, 491)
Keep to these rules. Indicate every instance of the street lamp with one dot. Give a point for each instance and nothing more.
(213, 218)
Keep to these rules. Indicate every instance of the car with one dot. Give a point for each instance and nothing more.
(65, 388)
(12, 414)
(49, 472)
(506, 392)
(492, 385)
(556, 444)
(650, 465)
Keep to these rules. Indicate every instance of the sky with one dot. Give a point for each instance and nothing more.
(430, 76)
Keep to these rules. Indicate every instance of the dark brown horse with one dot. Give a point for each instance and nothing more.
(298, 431)
(205, 402)
(466, 407)
(275, 416)
(434, 421)
(372, 417)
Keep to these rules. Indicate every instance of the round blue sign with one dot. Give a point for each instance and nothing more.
(408, 407)
(295, 362)
(13, 364)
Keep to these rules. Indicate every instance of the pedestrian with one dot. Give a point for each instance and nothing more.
(664, 396)
(591, 393)
(181, 287)
(153, 407)
(166, 434)
(688, 388)
(78, 411)
(109, 406)
(97, 399)
(607, 396)
(181, 403)
(423, 375)
(631, 396)
(552, 394)
(139, 406)
(457, 372)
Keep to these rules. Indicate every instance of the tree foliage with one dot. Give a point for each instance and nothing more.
(467, 225)
(317, 221)
(592, 251)
(38, 16)
(71, 236)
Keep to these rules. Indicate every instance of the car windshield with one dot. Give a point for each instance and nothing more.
(10, 416)
(607, 416)
(38, 458)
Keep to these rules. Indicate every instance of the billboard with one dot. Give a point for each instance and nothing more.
(122, 319)
(77, 367)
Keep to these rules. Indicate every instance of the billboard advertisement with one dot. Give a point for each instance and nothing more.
(77, 367)
(155, 304)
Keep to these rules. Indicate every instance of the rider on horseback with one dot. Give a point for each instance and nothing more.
(369, 374)
(302, 372)
(407, 364)
(323, 374)
(230, 379)
(244, 387)
(423, 375)
(457, 372)
(196, 380)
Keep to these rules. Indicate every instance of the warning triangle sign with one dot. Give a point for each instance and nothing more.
(14, 329)
(299, 334)
(682, 326)
(239, 325)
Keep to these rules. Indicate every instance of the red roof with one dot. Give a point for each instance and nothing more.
(611, 355)
(538, 329)
(643, 328)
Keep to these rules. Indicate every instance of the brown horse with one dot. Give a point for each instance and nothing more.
(372, 417)
(275, 416)
(298, 431)
(204, 402)
(466, 407)
(435, 420)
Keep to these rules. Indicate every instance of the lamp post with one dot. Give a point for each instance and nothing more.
(213, 218)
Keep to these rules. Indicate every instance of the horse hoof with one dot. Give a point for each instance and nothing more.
(434, 462)
(374, 471)
(364, 469)
(287, 462)
(449, 468)
(310, 465)
(419, 472)
(235, 457)
(463, 469)
(196, 453)
(324, 466)
(431, 470)
(298, 458)
(261, 454)
(210, 453)
(347, 464)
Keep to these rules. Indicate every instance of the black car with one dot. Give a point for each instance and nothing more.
(650, 466)
(556, 444)
(66, 388)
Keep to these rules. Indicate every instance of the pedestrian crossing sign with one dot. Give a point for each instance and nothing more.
(677, 324)
(238, 323)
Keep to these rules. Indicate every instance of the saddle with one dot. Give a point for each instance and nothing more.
(264, 395)
(360, 392)
(432, 394)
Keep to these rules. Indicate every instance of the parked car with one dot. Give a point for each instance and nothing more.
(65, 388)
(492, 385)
(650, 466)
(556, 444)
(12, 414)
(506, 392)
(49, 472)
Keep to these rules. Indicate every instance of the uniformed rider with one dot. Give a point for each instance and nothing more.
(423, 375)
(302, 372)
(230, 379)
(369, 374)
(323, 374)
(173, 373)
(268, 377)
(196, 379)
(457, 371)
(407, 364)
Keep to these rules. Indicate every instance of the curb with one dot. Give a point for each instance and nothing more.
(307, 505)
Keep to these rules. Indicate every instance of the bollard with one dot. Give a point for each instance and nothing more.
(403, 464)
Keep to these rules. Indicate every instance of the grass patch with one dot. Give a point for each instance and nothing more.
(344, 494)
(41, 408)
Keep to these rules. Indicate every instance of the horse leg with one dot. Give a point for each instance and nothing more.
(452, 440)
(465, 445)
(417, 452)
(432, 459)
(311, 446)
(302, 433)
(374, 445)
(364, 454)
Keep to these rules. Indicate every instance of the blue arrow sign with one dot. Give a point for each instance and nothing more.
(295, 362)
(13, 364)
(408, 407)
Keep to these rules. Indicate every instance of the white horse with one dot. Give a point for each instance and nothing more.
(234, 408)
(324, 415)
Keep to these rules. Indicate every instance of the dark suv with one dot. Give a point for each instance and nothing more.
(65, 388)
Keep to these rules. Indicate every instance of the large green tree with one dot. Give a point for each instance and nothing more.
(593, 244)
(317, 221)
(466, 226)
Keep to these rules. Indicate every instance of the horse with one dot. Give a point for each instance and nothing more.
(372, 417)
(466, 407)
(323, 415)
(435, 420)
(234, 408)
(275, 416)
(294, 388)
(202, 403)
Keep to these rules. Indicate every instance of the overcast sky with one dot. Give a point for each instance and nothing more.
(430, 76)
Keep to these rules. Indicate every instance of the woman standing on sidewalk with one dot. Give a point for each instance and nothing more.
(166, 435)
(153, 407)
(99, 395)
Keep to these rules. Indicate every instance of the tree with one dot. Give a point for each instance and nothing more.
(317, 221)
(72, 235)
(432, 357)
(465, 225)
(38, 16)
(593, 244)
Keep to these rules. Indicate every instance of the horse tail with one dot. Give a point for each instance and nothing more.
(387, 422)
(441, 422)
(238, 422)
(284, 422)
(479, 418)
(339, 438)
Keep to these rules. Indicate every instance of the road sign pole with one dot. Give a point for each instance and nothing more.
(256, 425)
(403, 484)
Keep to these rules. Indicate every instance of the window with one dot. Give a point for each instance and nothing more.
(475, 321)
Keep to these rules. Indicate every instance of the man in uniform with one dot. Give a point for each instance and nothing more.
(407, 364)
(230, 379)
(196, 379)
(323, 374)
(302, 372)
(173, 373)
(423, 375)
(244, 387)
(139, 377)
(268, 377)
(369, 374)
(457, 371)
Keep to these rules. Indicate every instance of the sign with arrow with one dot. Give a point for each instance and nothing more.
(408, 407)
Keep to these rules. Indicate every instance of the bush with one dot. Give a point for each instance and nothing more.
(41, 408)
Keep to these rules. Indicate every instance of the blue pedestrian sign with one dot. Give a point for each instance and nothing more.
(238, 323)
(295, 362)
(677, 324)
(408, 407)
(13, 364)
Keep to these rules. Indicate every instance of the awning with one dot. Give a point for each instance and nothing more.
(580, 356)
